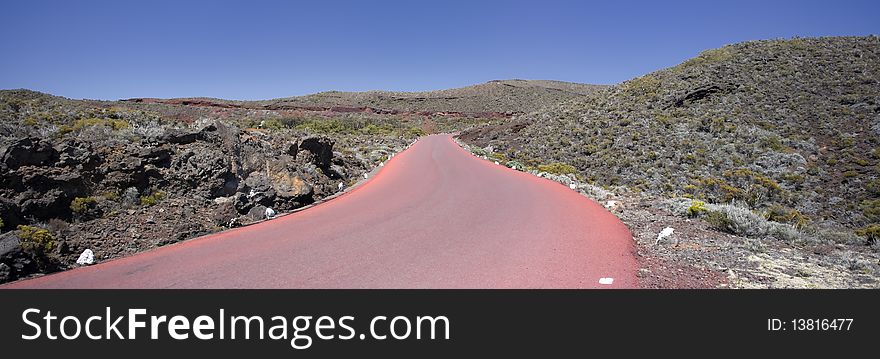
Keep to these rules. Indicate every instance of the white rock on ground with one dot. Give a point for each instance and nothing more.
(270, 213)
(611, 204)
(87, 257)
(666, 232)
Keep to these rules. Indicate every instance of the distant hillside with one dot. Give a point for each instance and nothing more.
(498, 98)
(788, 127)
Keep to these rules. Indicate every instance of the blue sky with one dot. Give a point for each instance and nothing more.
(268, 49)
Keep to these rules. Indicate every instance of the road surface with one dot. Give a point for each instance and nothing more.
(434, 217)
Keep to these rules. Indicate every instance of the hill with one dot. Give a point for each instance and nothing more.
(763, 156)
(788, 125)
(499, 98)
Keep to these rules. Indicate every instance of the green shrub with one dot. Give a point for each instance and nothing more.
(753, 177)
(273, 124)
(557, 168)
(30, 121)
(773, 142)
(1, 222)
(720, 221)
(500, 157)
(782, 214)
(152, 199)
(377, 130)
(115, 124)
(36, 239)
(111, 196)
(873, 187)
(696, 209)
(516, 165)
(80, 205)
(414, 132)
(871, 209)
(871, 233)
(645, 87)
(718, 190)
(710, 56)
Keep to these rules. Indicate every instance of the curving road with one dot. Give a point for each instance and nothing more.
(433, 217)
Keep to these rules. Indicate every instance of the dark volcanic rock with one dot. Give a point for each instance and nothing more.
(180, 137)
(15, 263)
(320, 150)
(29, 152)
(159, 156)
(77, 154)
(45, 192)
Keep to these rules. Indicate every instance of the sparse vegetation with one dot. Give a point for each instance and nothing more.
(152, 199)
(778, 138)
(35, 239)
(782, 214)
(871, 209)
(696, 209)
(81, 205)
(873, 187)
(727, 127)
(557, 168)
(870, 232)
(720, 221)
(516, 165)
(78, 125)
(741, 221)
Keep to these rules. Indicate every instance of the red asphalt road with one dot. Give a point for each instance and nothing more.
(433, 217)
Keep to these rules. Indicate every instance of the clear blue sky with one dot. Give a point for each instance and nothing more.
(268, 49)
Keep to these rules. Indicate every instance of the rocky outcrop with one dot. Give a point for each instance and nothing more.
(116, 198)
(29, 152)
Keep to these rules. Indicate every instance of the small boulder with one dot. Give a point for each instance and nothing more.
(87, 257)
(666, 232)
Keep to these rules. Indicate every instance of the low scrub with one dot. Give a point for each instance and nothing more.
(152, 199)
(782, 214)
(81, 205)
(871, 233)
(744, 222)
(738, 220)
(696, 209)
(36, 240)
(115, 124)
(557, 168)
